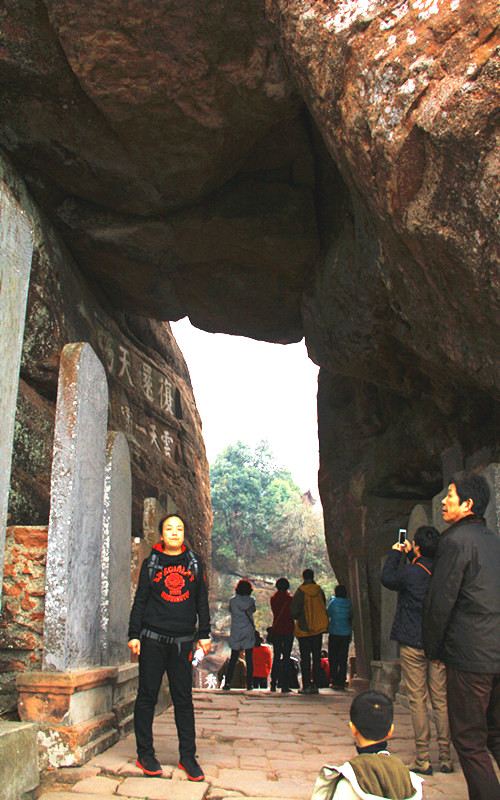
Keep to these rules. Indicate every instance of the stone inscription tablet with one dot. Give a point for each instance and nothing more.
(73, 576)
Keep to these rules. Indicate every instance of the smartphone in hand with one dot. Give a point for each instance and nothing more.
(402, 535)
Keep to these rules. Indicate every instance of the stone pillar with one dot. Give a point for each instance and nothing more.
(361, 616)
(492, 515)
(420, 515)
(73, 576)
(389, 649)
(153, 512)
(16, 248)
(116, 551)
(437, 519)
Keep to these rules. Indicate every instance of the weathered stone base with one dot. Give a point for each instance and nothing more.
(386, 676)
(73, 746)
(75, 712)
(80, 713)
(124, 694)
(19, 775)
(359, 684)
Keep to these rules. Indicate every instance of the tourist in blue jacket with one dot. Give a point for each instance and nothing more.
(339, 636)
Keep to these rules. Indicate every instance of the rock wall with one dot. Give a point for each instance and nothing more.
(403, 313)
(21, 623)
(151, 398)
(272, 169)
(168, 147)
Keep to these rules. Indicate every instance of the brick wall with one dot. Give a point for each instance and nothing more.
(23, 601)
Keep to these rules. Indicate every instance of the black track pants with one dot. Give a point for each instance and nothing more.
(156, 659)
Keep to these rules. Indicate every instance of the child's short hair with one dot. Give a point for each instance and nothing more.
(372, 714)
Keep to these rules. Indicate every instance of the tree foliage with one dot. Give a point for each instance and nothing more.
(259, 515)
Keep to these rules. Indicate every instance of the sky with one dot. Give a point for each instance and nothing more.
(248, 391)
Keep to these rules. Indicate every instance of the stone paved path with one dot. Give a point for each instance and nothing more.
(257, 745)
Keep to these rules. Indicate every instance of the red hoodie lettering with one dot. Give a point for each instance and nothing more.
(174, 579)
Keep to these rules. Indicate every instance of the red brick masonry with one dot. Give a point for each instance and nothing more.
(23, 602)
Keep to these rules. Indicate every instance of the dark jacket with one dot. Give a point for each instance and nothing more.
(411, 580)
(282, 618)
(462, 608)
(173, 601)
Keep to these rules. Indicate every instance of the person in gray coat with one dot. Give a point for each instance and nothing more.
(242, 636)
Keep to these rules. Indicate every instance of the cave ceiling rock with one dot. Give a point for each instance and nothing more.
(404, 97)
(171, 147)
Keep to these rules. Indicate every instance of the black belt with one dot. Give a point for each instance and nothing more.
(162, 639)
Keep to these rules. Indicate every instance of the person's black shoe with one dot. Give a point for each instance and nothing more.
(422, 770)
(311, 689)
(150, 766)
(192, 769)
(273, 687)
(226, 687)
(286, 691)
(446, 768)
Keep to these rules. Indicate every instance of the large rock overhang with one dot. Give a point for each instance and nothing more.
(283, 170)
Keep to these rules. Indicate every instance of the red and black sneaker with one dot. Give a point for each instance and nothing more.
(192, 769)
(150, 766)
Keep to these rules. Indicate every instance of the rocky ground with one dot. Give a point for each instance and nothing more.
(259, 746)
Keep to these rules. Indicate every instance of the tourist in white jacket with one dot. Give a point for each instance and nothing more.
(242, 637)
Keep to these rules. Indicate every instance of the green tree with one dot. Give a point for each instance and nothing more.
(259, 512)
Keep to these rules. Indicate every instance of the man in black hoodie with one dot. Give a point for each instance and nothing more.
(171, 598)
(462, 627)
(408, 570)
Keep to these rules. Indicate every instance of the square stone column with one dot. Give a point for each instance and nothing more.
(116, 551)
(492, 515)
(153, 512)
(73, 575)
(389, 650)
(361, 618)
(421, 514)
(16, 249)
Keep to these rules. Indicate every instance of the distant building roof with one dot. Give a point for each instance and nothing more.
(307, 498)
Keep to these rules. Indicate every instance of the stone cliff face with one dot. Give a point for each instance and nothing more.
(278, 169)
(403, 311)
(151, 398)
(167, 145)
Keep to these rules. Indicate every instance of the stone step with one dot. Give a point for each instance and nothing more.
(18, 760)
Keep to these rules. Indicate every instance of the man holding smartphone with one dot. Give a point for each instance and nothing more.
(462, 626)
(408, 571)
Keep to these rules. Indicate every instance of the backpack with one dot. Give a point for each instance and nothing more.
(154, 564)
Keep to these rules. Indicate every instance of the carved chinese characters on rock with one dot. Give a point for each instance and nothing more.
(138, 377)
